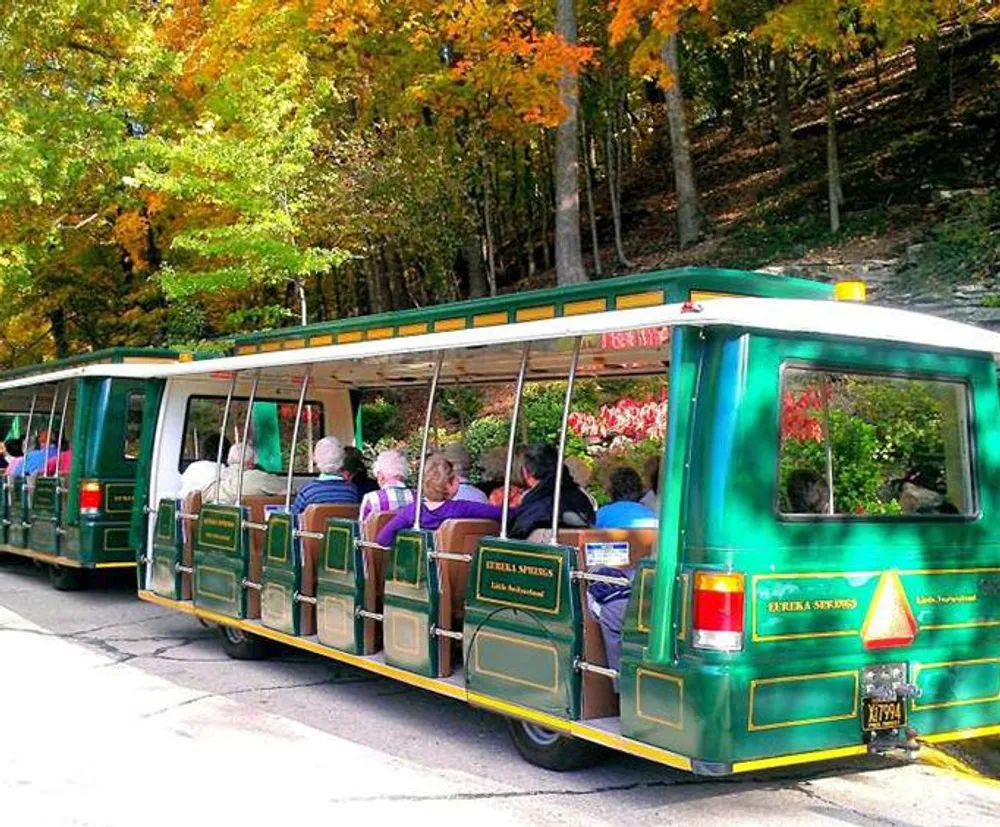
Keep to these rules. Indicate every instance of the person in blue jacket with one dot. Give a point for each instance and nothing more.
(625, 510)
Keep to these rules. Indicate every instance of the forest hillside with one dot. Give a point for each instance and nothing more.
(176, 172)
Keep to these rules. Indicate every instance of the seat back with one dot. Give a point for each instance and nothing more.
(190, 506)
(456, 537)
(374, 563)
(313, 519)
(598, 697)
(256, 514)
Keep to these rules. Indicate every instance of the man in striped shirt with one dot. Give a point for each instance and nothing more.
(330, 487)
(391, 470)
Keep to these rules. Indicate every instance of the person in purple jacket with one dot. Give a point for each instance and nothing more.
(441, 484)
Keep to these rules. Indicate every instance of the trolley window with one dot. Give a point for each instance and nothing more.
(270, 430)
(134, 405)
(859, 445)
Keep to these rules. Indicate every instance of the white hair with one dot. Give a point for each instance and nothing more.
(392, 464)
(329, 455)
(241, 452)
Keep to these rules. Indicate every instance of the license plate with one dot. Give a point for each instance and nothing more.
(878, 714)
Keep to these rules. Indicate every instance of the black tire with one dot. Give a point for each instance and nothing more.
(66, 579)
(240, 645)
(552, 750)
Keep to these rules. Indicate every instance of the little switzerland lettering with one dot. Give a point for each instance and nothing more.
(518, 568)
(844, 604)
(513, 588)
(945, 599)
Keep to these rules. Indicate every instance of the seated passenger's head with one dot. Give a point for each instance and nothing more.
(15, 447)
(579, 470)
(391, 467)
(241, 453)
(626, 485)
(539, 463)
(210, 447)
(440, 480)
(459, 457)
(42, 440)
(329, 455)
(807, 493)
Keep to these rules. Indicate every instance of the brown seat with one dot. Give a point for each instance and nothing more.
(456, 537)
(374, 570)
(313, 519)
(255, 514)
(598, 697)
(190, 505)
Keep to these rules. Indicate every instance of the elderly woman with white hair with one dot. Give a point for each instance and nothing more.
(255, 481)
(330, 487)
(391, 470)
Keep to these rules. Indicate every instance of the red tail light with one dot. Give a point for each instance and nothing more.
(718, 602)
(91, 497)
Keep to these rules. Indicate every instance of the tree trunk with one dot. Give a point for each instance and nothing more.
(835, 191)
(738, 72)
(57, 318)
(783, 111)
(926, 53)
(491, 263)
(588, 178)
(473, 252)
(548, 197)
(613, 153)
(376, 283)
(569, 255)
(689, 217)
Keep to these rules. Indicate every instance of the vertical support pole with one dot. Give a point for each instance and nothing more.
(222, 435)
(295, 437)
(62, 428)
(419, 498)
(827, 438)
(48, 432)
(557, 495)
(512, 440)
(246, 433)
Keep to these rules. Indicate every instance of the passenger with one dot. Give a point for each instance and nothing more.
(15, 455)
(651, 473)
(391, 470)
(201, 473)
(255, 481)
(807, 493)
(916, 495)
(581, 473)
(331, 487)
(65, 457)
(535, 511)
(495, 464)
(34, 461)
(440, 502)
(460, 460)
(4, 459)
(356, 470)
(625, 510)
(607, 603)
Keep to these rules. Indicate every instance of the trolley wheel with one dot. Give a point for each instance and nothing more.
(552, 750)
(66, 579)
(240, 645)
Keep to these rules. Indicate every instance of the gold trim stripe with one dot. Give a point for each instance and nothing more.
(270, 347)
(650, 298)
(294, 344)
(413, 329)
(924, 667)
(534, 314)
(320, 341)
(243, 350)
(639, 673)
(349, 337)
(444, 325)
(489, 319)
(552, 688)
(588, 306)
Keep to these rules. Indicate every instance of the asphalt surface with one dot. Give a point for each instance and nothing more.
(117, 712)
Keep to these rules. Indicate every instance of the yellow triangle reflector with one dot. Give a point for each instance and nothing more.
(890, 620)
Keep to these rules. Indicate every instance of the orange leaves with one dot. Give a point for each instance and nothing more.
(664, 16)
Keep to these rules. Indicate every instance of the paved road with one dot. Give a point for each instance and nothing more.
(112, 707)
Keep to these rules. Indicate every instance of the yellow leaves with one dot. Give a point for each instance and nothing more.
(131, 233)
(664, 15)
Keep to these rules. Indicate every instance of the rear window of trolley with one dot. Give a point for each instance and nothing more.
(866, 445)
(270, 430)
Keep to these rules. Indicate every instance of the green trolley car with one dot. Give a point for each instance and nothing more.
(823, 579)
(79, 426)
